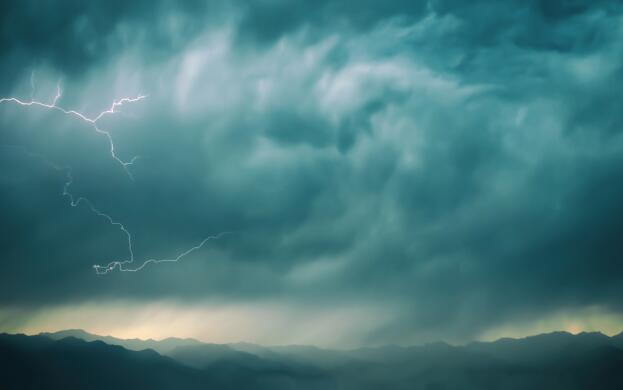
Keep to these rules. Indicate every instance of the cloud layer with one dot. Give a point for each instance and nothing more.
(452, 165)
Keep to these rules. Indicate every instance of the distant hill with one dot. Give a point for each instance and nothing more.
(39, 362)
(161, 346)
(550, 361)
(199, 354)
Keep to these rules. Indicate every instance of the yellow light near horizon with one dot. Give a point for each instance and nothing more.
(262, 323)
(574, 328)
(592, 319)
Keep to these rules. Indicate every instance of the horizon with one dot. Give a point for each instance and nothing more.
(79, 330)
(269, 324)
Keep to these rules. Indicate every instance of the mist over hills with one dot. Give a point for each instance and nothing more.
(160, 346)
(75, 359)
(38, 362)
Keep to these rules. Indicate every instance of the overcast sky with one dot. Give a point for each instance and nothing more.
(390, 172)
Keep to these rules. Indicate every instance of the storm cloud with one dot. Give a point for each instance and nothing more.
(452, 166)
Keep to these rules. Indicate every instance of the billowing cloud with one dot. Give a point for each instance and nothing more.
(451, 166)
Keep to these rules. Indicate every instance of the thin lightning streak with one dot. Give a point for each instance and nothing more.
(58, 94)
(75, 202)
(122, 266)
(92, 121)
(102, 270)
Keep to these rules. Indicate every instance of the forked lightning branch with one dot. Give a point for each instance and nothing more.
(127, 265)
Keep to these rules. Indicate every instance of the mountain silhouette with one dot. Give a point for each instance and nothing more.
(75, 359)
(160, 346)
(40, 362)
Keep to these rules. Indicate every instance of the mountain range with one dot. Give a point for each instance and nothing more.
(75, 359)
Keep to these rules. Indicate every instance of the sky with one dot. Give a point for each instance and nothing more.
(383, 172)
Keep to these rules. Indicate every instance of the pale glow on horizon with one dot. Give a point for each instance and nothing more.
(593, 319)
(266, 323)
(261, 323)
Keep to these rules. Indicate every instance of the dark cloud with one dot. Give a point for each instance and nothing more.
(459, 160)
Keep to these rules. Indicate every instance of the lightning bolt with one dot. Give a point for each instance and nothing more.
(125, 265)
(92, 122)
(75, 201)
(102, 270)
